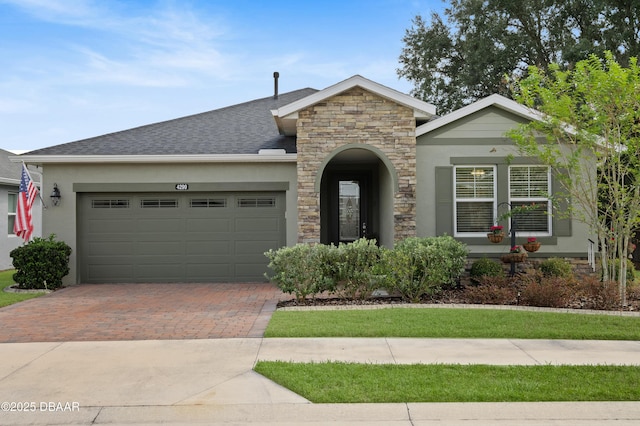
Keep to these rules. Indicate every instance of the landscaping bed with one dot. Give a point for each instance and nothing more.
(521, 290)
(437, 270)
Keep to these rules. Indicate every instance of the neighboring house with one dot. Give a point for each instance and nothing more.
(201, 198)
(9, 185)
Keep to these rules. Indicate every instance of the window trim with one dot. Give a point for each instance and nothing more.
(493, 200)
(13, 213)
(546, 199)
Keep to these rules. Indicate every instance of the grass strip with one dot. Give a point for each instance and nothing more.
(333, 382)
(452, 323)
(6, 280)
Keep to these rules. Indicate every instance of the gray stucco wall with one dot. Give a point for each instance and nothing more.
(481, 136)
(62, 220)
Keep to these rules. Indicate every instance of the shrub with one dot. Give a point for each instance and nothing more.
(41, 263)
(485, 267)
(496, 290)
(556, 267)
(546, 291)
(355, 268)
(421, 266)
(304, 270)
(631, 271)
(633, 292)
(452, 256)
(592, 293)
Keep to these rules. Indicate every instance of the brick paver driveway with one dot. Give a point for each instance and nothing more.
(141, 312)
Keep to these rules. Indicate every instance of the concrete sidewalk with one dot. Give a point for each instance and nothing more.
(212, 382)
(452, 351)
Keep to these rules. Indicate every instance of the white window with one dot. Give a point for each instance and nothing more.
(529, 192)
(13, 203)
(475, 199)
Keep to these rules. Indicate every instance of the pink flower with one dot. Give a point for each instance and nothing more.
(531, 239)
(496, 229)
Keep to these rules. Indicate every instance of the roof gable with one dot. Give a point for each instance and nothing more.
(287, 115)
(497, 101)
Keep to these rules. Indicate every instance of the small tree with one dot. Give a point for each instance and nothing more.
(591, 121)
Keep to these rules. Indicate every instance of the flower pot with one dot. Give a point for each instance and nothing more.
(513, 257)
(531, 246)
(495, 238)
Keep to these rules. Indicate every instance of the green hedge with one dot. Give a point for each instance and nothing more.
(41, 263)
(421, 266)
(304, 270)
(357, 269)
(414, 268)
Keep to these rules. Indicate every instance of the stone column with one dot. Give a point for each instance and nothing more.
(356, 116)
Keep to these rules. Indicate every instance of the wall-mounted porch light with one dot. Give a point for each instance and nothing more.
(55, 195)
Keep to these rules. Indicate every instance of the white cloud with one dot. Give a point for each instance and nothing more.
(101, 69)
(72, 12)
(95, 66)
(154, 47)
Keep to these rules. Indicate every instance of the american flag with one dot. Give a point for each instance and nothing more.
(23, 225)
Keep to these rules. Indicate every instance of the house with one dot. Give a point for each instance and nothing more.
(10, 173)
(201, 198)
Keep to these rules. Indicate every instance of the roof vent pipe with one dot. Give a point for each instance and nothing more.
(275, 84)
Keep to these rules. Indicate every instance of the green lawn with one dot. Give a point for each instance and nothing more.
(452, 323)
(332, 382)
(366, 383)
(6, 299)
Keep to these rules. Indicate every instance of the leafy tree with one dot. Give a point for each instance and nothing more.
(463, 56)
(591, 121)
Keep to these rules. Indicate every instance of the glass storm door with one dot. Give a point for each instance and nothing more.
(350, 222)
(349, 206)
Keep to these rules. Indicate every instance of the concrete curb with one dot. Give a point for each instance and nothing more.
(458, 306)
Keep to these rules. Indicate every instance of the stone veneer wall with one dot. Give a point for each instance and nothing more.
(356, 116)
(579, 265)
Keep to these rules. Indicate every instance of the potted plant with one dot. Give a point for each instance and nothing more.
(496, 235)
(516, 255)
(532, 245)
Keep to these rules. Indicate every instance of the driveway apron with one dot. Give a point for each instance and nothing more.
(104, 312)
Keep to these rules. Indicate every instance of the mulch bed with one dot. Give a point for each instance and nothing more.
(459, 295)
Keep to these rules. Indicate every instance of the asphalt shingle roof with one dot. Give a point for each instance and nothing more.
(8, 169)
(13, 171)
(239, 129)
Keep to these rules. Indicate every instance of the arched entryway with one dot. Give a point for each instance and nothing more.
(356, 188)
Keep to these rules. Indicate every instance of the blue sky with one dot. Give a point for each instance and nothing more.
(72, 69)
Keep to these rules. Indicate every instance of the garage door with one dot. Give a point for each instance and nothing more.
(194, 237)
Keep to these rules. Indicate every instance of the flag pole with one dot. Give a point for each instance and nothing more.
(39, 192)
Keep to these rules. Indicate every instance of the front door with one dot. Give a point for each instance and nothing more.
(350, 207)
